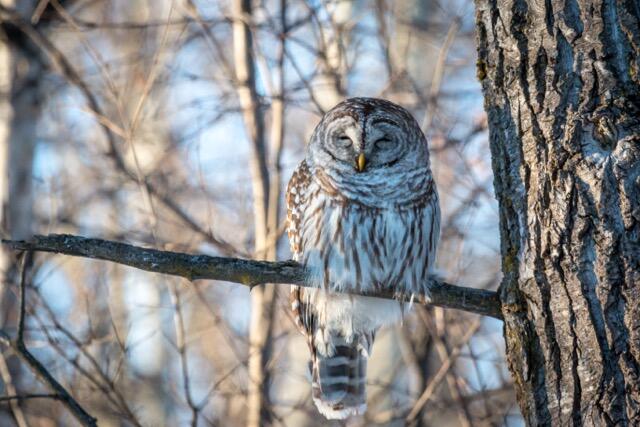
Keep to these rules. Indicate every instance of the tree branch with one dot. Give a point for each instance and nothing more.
(43, 375)
(247, 272)
(19, 397)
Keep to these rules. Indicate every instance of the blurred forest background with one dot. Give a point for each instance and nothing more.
(176, 125)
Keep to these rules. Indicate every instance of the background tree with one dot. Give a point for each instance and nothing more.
(21, 66)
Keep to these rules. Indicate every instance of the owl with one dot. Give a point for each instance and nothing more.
(362, 215)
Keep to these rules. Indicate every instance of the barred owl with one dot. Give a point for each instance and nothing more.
(362, 214)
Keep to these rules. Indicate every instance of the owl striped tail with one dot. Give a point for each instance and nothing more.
(338, 380)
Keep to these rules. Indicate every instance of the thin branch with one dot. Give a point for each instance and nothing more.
(37, 368)
(65, 68)
(27, 262)
(46, 378)
(441, 374)
(101, 381)
(436, 82)
(10, 389)
(19, 397)
(247, 272)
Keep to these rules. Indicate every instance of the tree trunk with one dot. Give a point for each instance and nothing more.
(561, 81)
(20, 77)
(263, 299)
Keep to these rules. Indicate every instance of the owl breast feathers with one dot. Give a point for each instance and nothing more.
(363, 214)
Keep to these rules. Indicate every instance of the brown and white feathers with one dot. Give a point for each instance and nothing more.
(363, 214)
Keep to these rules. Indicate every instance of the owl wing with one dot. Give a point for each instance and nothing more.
(296, 200)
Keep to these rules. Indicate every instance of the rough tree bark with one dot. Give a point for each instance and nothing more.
(561, 81)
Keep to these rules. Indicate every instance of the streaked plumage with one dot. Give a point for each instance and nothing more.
(358, 231)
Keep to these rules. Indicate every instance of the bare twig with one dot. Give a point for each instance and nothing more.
(100, 380)
(18, 397)
(247, 272)
(46, 378)
(441, 374)
(436, 83)
(440, 344)
(9, 387)
(27, 262)
(36, 367)
(181, 348)
(65, 68)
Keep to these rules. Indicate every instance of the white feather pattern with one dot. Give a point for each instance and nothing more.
(327, 410)
(358, 232)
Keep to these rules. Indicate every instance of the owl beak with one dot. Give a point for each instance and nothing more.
(361, 162)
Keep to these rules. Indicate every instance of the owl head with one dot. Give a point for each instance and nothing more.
(367, 136)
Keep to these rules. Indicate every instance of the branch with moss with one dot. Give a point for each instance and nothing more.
(246, 272)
